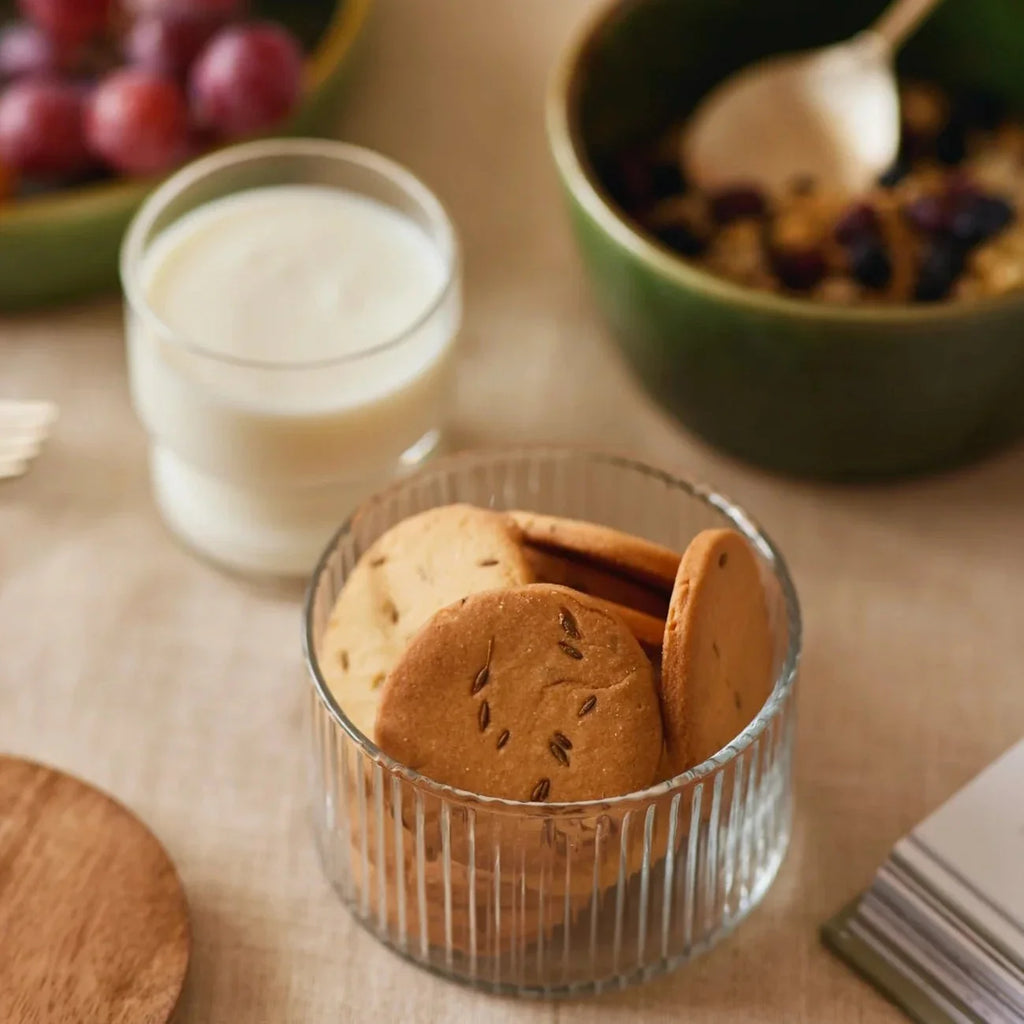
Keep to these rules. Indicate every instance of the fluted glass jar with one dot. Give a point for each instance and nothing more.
(553, 899)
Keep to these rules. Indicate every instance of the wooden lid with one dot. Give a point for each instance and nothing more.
(93, 918)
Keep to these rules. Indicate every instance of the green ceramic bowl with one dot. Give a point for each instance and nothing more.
(64, 245)
(794, 386)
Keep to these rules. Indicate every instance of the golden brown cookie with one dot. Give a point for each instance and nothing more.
(419, 566)
(532, 693)
(717, 658)
(650, 631)
(620, 553)
(643, 609)
(567, 570)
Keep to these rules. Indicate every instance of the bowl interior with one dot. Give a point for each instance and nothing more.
(647, 62)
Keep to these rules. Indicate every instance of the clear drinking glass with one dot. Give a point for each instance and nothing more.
(254, 461)
(553, 899)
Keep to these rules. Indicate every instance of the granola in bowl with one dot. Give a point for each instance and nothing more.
(942, 224)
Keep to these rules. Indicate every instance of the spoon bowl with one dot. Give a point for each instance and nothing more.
(831, 115)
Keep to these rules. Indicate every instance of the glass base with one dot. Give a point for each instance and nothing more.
(275, 532)
(485, 976)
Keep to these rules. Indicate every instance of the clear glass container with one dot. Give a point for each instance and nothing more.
(254, 460)
(553, 899)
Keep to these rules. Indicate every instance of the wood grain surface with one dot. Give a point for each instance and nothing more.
(93, 920)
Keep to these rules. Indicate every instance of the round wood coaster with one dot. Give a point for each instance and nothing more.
(93, 918)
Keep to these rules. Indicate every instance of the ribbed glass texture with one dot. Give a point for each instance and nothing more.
(553, 899)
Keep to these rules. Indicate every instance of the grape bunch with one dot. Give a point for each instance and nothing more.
(135, 87)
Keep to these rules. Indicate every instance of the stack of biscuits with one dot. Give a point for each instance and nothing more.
(548, 660)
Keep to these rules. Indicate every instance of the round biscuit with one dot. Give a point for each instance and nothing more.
(717, 658)
(417, 567)
(533, 693)
(635, 558)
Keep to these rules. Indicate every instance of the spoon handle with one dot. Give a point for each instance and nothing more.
(899, 19)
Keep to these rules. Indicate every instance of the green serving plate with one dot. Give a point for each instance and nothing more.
(63, 245)
(792, 385)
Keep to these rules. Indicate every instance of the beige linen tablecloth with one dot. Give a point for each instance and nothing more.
(181, 691)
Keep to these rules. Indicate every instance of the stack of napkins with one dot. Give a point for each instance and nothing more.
(941, 930)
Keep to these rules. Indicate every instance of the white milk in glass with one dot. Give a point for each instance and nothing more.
(294, 354)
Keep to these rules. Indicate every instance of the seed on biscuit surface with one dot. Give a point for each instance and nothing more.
(503, 738)
(484, 716)
(573, 652)
(559, 754)
(343, 658)
(587, 706)
(487, 562)
(485, 673)
(541, 790)
(722, 559)
(568, 623)
(562, 740)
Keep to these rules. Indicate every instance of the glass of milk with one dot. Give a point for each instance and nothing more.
(292, 310)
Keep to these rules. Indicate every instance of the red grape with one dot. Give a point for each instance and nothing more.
(168, 44)
(138, 122)
(25, 49)
(247, 80)
(68, 20)
(41, 130)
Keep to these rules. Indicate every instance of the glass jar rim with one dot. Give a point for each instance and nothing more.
(739, 519)
(135, 239)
